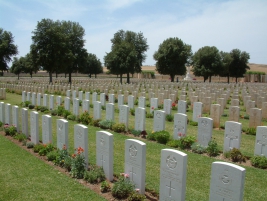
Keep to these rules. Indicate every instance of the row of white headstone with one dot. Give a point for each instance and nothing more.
(227, 180)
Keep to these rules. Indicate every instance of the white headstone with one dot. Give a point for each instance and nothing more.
(124, 115)
(24, 121)
(173, 170)
(62, 133)
(103, 99)
(120, 100)
(39, 95)
(261, 141)
(45, 100)
(232, 135)
(85, 106)
(67, 103)
(8, 114)
(51, 102)
(135, 163)
(111, 98)
(182, 106)
(140, 119)
(15, 116)
(104, 152)
(76, 103)
(81, 139)
(97, 110)
(180, 126)
(227, 182)
(46, 129)
(205, 126)
(34, 127)
(142, 102)
(87, 96)
(2, 112)
(197, 111)
(167, 106)
(110, 111)
(153, 104)
(159, 120)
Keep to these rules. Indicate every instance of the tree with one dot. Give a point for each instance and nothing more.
(30, 65)
(238, 66)
(7, 49)
(206, 62)
(226, 61)
(172, 57)
(121, 59)
(92, 66)
(48, 45)
(139, 46)
(18, 65)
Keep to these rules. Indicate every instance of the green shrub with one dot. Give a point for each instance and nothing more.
(160, 106)
(105, 187)
(52, 155)
(193, 123)
(71, 117)
(54, 112)
(122, 188)
(187, 141)
(119, 127)
(246, 116)
(78, 164)
(136, 102)
(173, 143)
(26, 104)
(162, 137)
(29, 145)
(132, 111)
(1, 123)
(46, 149)
(251, 131)
(169, 117)
(198, 148)
(224, 115)
(148, 104)
(151, 136)
(135, 196)
(222, 126)
(31, 106)
(37, 148)
(43, 109)
(85, 118)
(136, 133)
(213, 149)
(96, 122)
(259, 162)
(95, 175)
(237, 156)
(61, 156)
(20, 137)
(66, 113)
(10, 130)
(60, 110)
(106, 124)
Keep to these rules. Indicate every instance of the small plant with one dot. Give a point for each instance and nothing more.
(193, 123)
(20, 137)
(135, 196)
(187, 141)
(148, 105)
(251, 131)
(136, 133)
(46, 149)
(26, 104)
(51, 156)
(132, 111)
(103, 107)
(222, 126)
(149, 115)
(259, 162)
(66, 113)
(95, 175)
(43, 109)
(60, 110)
(224, 115)
(29, 145)
(78, 164)
(62, 154)
(213, 149)
(174, 106)
(173, 143)
(136, 102)
(198, 148)
(122, 188)
(119, 127)
(71, 117)
(31, 106)
(105, 187)
(54, 112)
(37, 148)
(1, 123)
(106, 124)
(85, 118)
(246, 116)
(160, 106)
(169, 117)
(162, 137)
(96, 122)
(10, 130)
(143, 134)
(151, 136)
(237, 156)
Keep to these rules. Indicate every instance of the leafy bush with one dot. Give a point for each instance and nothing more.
(213, 149)
(160, 106)
(122, 188)
(106, 124)
(1, 123)
(10, 130)
(173, 143)
(29, 145)
(20, 137)
(198, 148)
(60, 110)
(151, 136)
(149, 115)
(162, 137)
(259, 162)
(26, 104)
(96, 122)
(85, 118)
(46, 149)
(37, 148)
(224, 115)
(78, 164)
(193, 123)
(246, 116)
(54, 112)
(136, 102)
(119, 127)
(43, 109)
(136, 133)
(132, 111)
(95, 175)
(105, 187)
(135, 196)
(237, 156)
(51, 156)
(222, 126)
(31, 106)
(62, 154)
(169, 117)
(187, 141)
(71, 117)
(251, 131)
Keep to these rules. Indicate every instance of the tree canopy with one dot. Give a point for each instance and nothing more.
(18, 65)
(207, 62)
(135, 46)
(7, 49)
(238, 66)
(172, 57)
(92, 65)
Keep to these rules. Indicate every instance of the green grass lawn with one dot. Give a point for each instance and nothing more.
(25, 177)
(199, 166)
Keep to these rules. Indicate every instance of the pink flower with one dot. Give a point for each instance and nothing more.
(152, 108)
(137, 189)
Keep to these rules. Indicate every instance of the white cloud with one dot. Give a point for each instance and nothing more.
(113, 5)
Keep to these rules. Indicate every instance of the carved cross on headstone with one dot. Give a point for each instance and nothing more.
(231, 137)
(132, 173)
(170, 188)
(262, 142)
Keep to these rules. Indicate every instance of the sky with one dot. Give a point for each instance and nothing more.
(225, 24)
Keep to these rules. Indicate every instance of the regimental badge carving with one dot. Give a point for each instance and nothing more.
(102, 141)
(132, 151)
(171, 162)
(204, 123)
(225, 177)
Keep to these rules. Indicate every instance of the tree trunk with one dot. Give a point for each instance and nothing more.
(128, 78)
(172, 77)
(70, 78)
(31, 75)
(50, 77)
(65, 75)
(209, 78)
(228, 79)
(236, 80)
(204, 78)
(95, 75)
(18, 76)
(121, 78)
(56, 74)
(90, 75)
